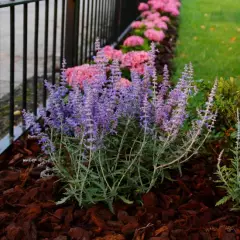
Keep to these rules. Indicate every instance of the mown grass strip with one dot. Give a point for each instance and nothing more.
(209, 37)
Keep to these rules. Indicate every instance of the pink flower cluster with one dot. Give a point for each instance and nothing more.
(152, 20)
(154, 35)
(168, 6)
(123, 83)
(111, 53)
(137, 24)
(82, 73)
(153, 23)
(133, 41)
(143, 7)
(88, 73)
(135, 60)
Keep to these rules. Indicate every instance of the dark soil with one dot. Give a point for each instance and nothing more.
(4, 103)
(182, 209)
(167, 49)
(178, 210)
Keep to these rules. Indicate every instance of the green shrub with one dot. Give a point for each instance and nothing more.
(229, 175)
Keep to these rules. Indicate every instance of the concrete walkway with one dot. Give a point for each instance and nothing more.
(5, 41)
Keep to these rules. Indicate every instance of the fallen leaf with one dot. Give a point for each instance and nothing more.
(78, 233)
(4, 217)
(96, 219)
(30, 231)
(161, 230)
(17, 113)
(9, 176)
(203, 27)
(195, 38)
(149, 199)
(68, 215)
(221, 232)
(131, 226)
(233, 39)
(29, 196)
(31, 212)
(61, 237)
(14, 232)
(212, 29)
(183, 55)
(25, 175)
(16, 158)
(111, 237)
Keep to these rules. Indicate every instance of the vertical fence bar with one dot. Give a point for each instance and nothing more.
(69, 32)
(117, 19)
(35, 80)
(92, 29)
(82, 31)
(24, 76)
(102, 22)
(54, 42)
(95, 24)
(45, 63)
(99, 18)
(12, 67)
(62, 32)
(108, 20)
(113, 2)
(105, 22)
(87, 28)
(76, 32)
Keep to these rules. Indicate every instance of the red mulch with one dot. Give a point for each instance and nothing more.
(166, 50)
(179, 210)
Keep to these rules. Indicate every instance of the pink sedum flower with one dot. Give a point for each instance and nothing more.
(123, 83)
(137, 24)
(135, 60)
(157, 5)
(174, 11)
(160, 24)
(143, 7)
(133, 41)
(79, 74)
(153, 16)
(165, 19)
(169, 6)
(146, 13)
(111, 53)
(149, 24)
(154, 35)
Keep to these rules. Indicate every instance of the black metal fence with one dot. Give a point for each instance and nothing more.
(70, 33)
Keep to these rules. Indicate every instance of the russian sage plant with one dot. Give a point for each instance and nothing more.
(229, 176)
(108, 140)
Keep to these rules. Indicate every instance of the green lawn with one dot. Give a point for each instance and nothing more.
(209, 37)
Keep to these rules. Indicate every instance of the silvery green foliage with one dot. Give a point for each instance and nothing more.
(107, 141)
(229, 176)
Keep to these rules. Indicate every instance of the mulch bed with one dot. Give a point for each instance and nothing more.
(183, 209)
(180, 209)
(166, 51)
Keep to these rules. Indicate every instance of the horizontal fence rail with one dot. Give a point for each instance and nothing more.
(50, 30)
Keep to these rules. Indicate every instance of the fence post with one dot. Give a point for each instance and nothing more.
(69, 32)
(117, 19)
